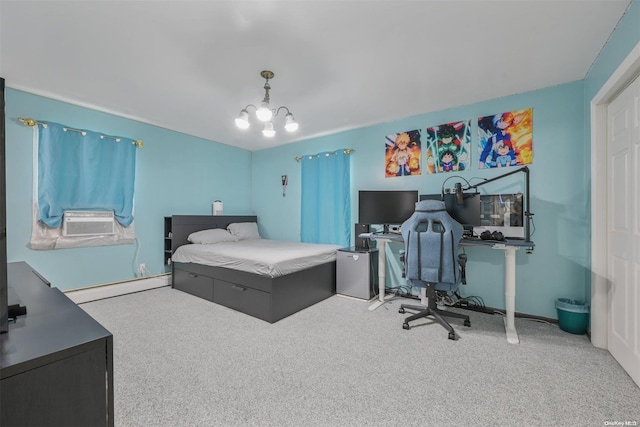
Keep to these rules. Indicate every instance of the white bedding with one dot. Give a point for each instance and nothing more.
(265, 257)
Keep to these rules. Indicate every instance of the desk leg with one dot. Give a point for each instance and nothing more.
(382, 266)
(510, 294)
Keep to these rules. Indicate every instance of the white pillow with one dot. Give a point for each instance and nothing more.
(212, 236)
(244, 230)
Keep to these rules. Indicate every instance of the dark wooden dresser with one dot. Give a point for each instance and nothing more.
(56, 362)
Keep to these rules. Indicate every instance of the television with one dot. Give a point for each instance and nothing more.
(386, 207)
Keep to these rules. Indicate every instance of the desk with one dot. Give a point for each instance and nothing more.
(508, 246)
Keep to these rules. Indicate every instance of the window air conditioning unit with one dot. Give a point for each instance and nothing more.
(88, 223)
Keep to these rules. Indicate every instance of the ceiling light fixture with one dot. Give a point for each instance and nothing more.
(265, 113)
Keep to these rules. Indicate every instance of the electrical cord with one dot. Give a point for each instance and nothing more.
(527, 317)
(135, 258)
(533, 226)
(403, 291)
(470, 301)
(477, 177)
(139, 270)
(374, 290)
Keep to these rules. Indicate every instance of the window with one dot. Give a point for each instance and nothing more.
(80, 170)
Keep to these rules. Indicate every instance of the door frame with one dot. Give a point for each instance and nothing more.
(626, 72)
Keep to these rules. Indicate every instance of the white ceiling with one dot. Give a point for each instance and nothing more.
(191, 66)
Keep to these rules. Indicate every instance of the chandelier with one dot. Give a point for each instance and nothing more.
(265, 113)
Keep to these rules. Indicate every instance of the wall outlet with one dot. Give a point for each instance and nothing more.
(142, 269)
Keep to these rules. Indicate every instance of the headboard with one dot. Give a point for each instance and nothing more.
(183, 225)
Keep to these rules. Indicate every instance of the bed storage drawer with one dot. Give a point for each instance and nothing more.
(246, 300)
(192, 283)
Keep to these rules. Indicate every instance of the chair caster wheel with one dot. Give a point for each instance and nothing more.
(452, 336)
(406, 326)
(401, 310)
(467, 323)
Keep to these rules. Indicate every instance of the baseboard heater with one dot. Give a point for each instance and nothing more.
(88, 223)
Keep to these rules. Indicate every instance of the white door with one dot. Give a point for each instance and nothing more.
(623, 265)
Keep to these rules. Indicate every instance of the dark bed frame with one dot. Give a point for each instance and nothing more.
(266, 298)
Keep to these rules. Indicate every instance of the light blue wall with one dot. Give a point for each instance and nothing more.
(624, 39)
(558, 266)
(560, 182)
(175, 174)
(178, 174)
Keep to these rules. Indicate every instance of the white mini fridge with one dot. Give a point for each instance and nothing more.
(357, 272)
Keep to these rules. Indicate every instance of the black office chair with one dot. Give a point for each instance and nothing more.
(431, 261)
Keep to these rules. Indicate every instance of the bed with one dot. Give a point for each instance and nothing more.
(270, 290)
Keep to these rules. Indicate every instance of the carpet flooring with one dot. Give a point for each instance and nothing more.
(183, 361)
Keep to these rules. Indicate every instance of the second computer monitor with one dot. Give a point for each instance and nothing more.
(386, 207)
(468, 213)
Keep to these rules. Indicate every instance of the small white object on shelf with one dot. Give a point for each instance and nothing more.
(217, 207)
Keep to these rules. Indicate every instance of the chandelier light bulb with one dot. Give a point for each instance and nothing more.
(268, 130)
(264, 113)
(242, 121)
(290, 123)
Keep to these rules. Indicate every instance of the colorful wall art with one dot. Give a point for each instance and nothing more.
(448, 147)
(506, 139)
(402, 154)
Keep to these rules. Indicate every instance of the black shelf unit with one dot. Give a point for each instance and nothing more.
(168, 251)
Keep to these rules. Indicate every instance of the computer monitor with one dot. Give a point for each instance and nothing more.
(503, 213)
(430, 197)
(386, 207)
(467, 213)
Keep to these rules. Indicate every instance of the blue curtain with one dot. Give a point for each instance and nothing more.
(84, 171)
(326, 198)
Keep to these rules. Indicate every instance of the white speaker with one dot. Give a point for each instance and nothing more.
(217, 207)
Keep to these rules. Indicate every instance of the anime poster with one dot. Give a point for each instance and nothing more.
(402, 154)
(448, 147)
(506, 139)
